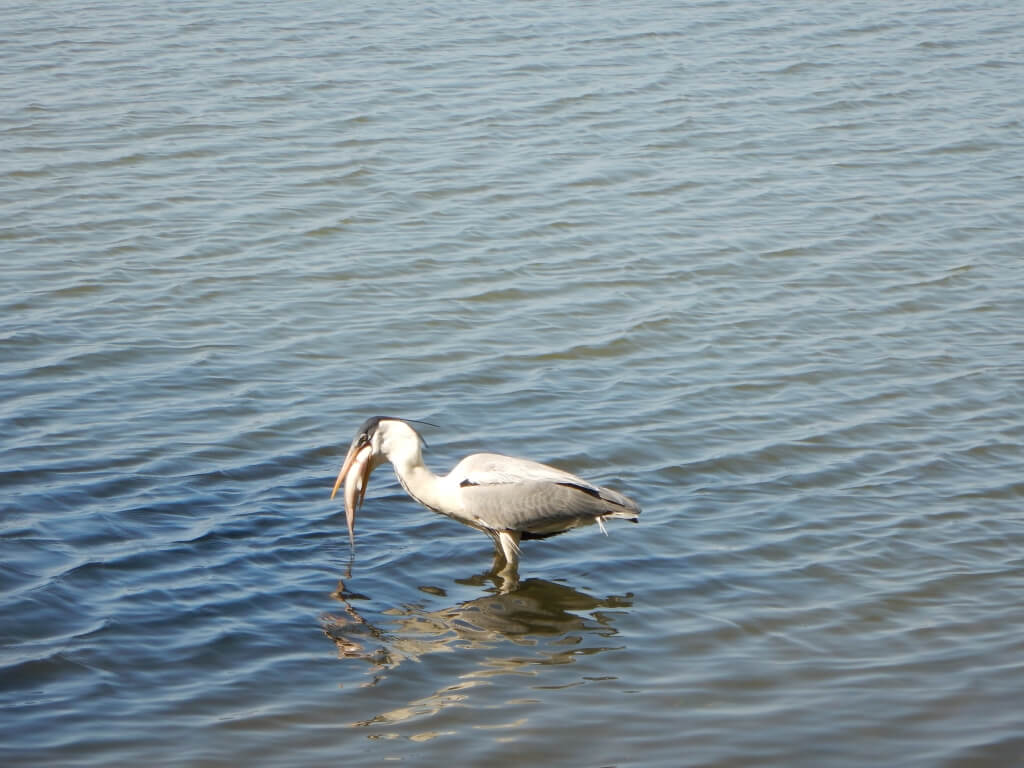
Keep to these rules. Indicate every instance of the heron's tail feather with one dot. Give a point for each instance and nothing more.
(619, 506)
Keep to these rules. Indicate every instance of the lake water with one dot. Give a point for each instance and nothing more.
(758, 265)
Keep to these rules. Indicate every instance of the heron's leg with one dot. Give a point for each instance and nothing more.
(499, 557)
(509, 541)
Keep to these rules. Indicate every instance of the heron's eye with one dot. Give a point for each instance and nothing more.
(364, 438)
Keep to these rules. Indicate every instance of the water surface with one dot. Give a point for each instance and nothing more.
(757, 265)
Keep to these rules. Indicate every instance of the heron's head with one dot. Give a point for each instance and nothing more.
(378, 440)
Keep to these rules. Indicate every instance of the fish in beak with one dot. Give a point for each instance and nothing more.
(355, 472)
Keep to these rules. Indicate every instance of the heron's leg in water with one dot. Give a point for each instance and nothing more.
(506, 559)
(499, 559)
(503, 542)
(510, 549)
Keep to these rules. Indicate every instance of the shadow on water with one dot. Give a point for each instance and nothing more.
(539, 624)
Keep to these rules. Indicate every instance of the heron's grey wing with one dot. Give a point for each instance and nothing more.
(494, 469)
(508, 493)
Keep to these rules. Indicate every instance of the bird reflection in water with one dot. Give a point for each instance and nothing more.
(551, 617)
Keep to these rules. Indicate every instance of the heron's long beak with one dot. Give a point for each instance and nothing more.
(355, 472)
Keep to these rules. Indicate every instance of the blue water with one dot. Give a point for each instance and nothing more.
(757, 265)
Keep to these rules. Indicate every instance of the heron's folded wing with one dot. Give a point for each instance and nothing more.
(495, 469)
(534, 507)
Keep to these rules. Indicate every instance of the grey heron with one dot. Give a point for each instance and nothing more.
(509, 499)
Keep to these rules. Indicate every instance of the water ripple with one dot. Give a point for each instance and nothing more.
(757, 267)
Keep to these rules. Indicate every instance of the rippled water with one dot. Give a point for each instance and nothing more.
(756, 264)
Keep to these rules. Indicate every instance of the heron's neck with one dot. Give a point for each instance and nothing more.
(417, 479)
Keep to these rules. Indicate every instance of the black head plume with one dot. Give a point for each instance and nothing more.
(370, 426)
